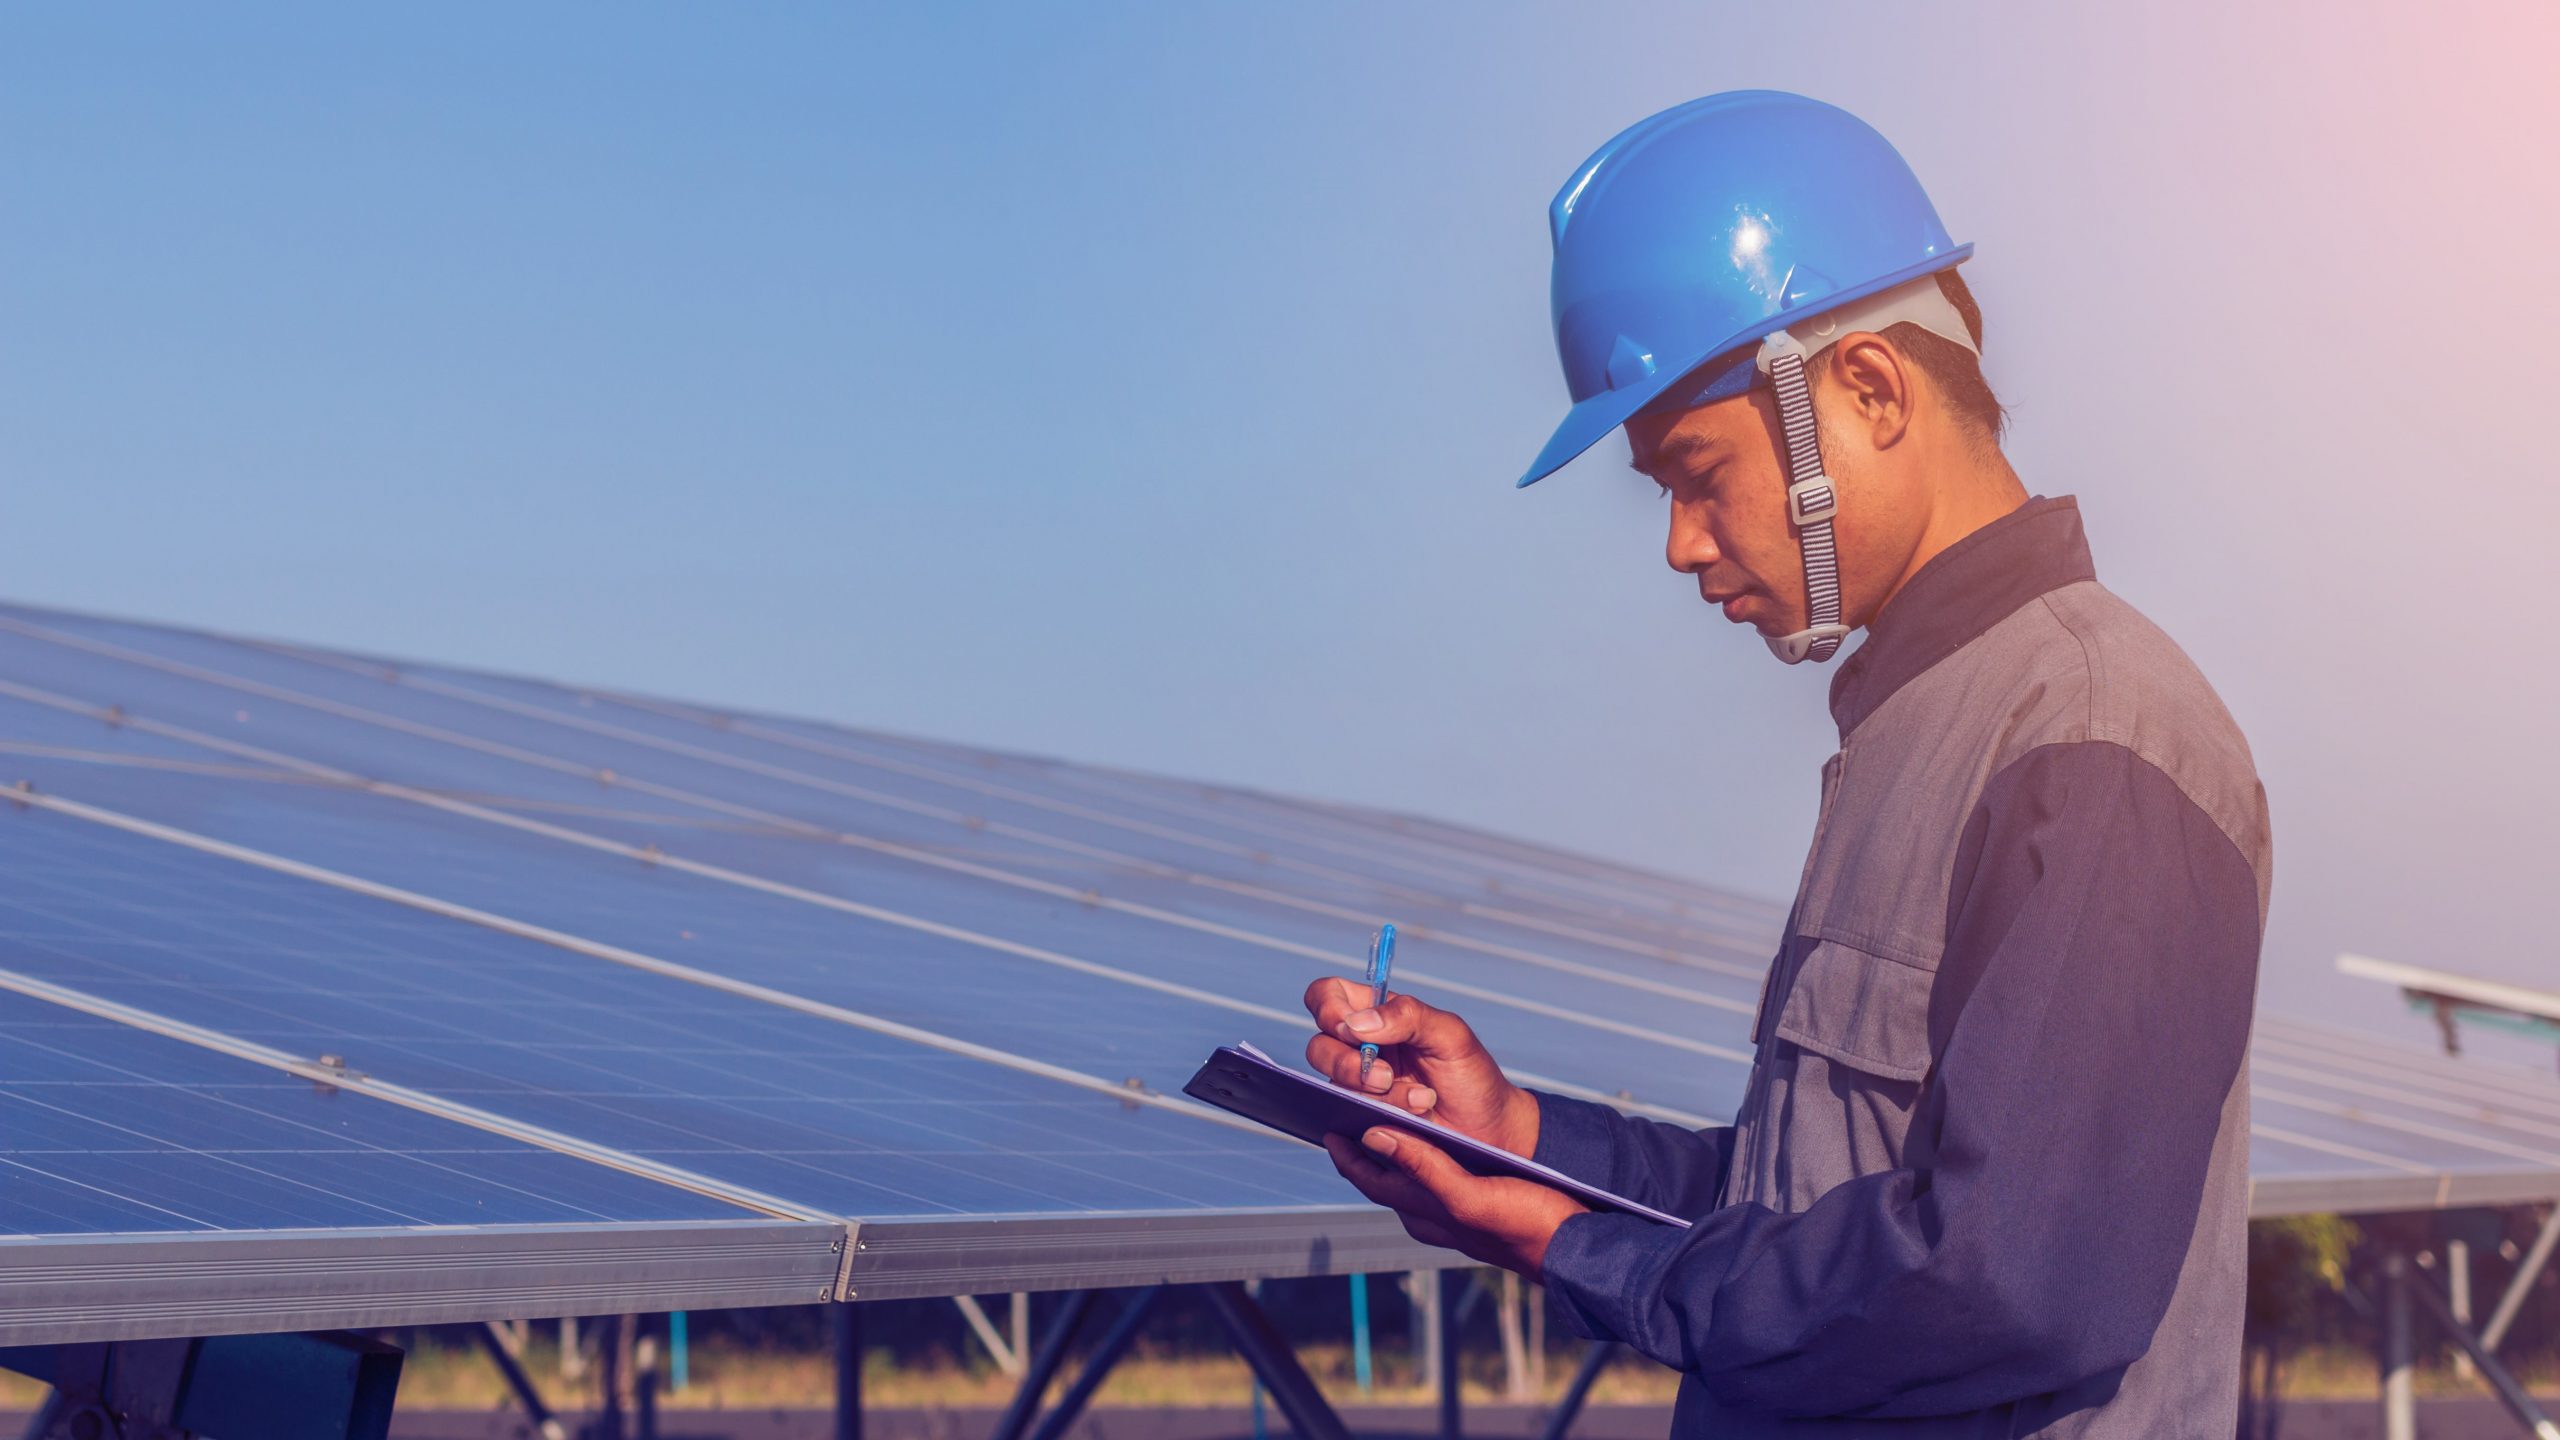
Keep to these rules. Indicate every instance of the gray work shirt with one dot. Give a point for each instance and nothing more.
(1989, 1175)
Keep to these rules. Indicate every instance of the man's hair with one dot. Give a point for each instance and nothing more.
(1956, 371)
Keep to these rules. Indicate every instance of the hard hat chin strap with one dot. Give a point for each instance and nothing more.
(1811, 502)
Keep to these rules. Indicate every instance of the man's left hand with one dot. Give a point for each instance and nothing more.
(1499, 1221)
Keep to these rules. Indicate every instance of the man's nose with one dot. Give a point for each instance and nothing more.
(1690, 549)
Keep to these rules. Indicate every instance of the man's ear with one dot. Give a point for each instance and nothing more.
(1875, 389)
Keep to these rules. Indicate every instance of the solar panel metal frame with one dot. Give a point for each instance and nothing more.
(139, 1285)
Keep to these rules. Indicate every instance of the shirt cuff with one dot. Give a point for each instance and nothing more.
(1600, 1265)
(1577, 1137)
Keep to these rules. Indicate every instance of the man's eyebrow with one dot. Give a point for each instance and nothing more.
(1678, 447)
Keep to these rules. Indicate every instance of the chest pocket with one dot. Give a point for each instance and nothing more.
(1860, 1010)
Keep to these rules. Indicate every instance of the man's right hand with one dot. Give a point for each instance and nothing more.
(1429, 1062)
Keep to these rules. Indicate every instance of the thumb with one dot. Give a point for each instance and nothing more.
(1428, 1164)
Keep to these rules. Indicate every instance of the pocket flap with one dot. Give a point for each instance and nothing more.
(1862, 1010)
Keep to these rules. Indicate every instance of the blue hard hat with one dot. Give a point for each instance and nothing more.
(1706, 228)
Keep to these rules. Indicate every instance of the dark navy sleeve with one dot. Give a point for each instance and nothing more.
(2089, 1020)
(1664, 1166)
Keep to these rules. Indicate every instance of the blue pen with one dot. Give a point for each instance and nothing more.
(1382, 958)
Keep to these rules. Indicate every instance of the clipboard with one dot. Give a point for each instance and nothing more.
(1244, 1081)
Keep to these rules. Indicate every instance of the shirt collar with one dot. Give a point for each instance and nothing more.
(1964, 590)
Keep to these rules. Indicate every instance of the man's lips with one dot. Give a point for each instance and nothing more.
(1731, 601)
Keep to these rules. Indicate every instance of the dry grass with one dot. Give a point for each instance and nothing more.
(727, 1379)
(438, 1377)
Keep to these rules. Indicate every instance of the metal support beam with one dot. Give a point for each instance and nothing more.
(1515, 1344)
(1008, 1358)
(847, 1325)
(2512, 1395)
(607, 1424)
(644, 1387)
(2528, 1270)
(1044, 1366)
(1361, 1374)
(1594, 1360)
(2399, 1352)
(2457, 1281)
(1097, 1366)
(1450, 1286)
(1274, 1364)
(539, 1415)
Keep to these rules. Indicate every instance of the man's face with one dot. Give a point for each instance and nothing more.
(1720, 466)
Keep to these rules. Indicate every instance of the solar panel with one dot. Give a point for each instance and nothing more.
(106, 1129)
(938, 1000)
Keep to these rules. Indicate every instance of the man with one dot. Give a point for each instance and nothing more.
(1989, 1173)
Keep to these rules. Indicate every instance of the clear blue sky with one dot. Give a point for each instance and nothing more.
(1143, 383)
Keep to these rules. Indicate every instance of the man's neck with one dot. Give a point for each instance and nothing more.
(1979, 489)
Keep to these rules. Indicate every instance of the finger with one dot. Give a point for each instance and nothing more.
(1427, 1165)
(1384, 1184)
(1433, 1033)
(1331, 997)
(1340, 1064)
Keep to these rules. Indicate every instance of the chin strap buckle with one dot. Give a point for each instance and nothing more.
(1812, 502)
(1797, 648)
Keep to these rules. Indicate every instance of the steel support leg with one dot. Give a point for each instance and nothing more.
(644, 1389)
(1043, 1366)
(1097, 1366)
(2528, 1270)
(1360, 1372)
(846, 1321)
(2457, 1280)
(539, 1415)
(2399, 1352)
(1452, 1285)
(1309, 1416)
(1595, 1360)
(2512, 1395)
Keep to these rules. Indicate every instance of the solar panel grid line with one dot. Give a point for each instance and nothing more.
(756, 729)
(139, 762)
(227, 1158)
(739, 724)
(171, 1137)
(1291, 818)
(2338, 1148)
(562, 765)
(632, 959)
(2417, 1069)
(778, 735)
(1447, 983)
(2529, 1081)
(1644, 933)
(2366, 1115)
(2474, 1109)
(789, 775)
(408, 1098)
(408, 676)
(493, 815)
(375, 670)
(1094, 969)
(727, 875)
(1231, 1178)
